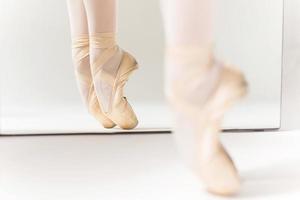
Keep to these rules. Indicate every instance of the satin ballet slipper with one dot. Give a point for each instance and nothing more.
(232, 87)
(80, 52)
(202, 117)
(110, 70)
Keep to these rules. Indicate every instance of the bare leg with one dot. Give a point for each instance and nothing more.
(110, 65)
(80, 51)
(200, 90)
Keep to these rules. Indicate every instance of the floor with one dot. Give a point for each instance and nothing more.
(140, 167)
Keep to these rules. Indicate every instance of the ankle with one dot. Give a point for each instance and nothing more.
(103, 40)
(185, 61)
(100, 43)
(191, 74)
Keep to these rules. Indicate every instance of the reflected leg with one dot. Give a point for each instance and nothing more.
(80, 52)
(110, 65)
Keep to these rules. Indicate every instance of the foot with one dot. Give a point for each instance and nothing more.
(111, 68)
(80, 51)
(199, 96)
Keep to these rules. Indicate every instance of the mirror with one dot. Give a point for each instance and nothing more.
(38, 89)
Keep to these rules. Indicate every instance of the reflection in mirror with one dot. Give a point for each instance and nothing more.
(38, 87)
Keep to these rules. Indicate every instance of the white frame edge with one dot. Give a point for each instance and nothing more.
(290, 89)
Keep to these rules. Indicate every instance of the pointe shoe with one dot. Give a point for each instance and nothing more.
(211, 161)
(225, 182)
(111, 70)
(232, 87)
(80, 52)
(95, 110)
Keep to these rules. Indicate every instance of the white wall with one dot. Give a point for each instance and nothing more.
(290, 117)
(249, 34)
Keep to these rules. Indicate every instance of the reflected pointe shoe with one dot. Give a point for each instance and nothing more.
(80, 52)
(199, 97)
(111, 68)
